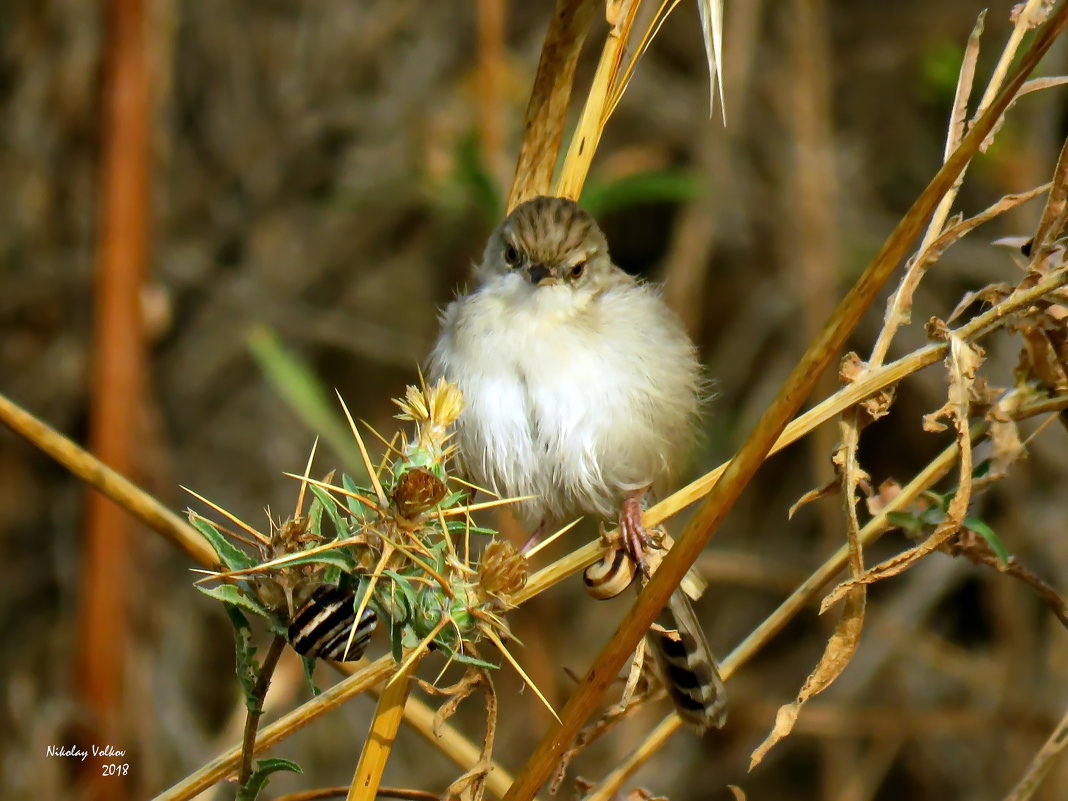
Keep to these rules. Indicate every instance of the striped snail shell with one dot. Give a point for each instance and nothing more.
(610, 576)
(322, 627)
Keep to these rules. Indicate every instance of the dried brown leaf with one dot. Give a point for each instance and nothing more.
(965, 80)
(1055, 213)
(1030, 14)
(832, 488)
(963, 361)
(1007, 446)
(992, 294)
(839, 651)
(471, 786)
(937, 329)
(1043, 362)
(843, 642)
(852, 369)
(547, 109)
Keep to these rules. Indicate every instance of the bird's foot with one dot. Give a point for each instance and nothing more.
(636, 538)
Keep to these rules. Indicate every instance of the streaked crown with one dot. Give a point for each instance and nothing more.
(549, 230)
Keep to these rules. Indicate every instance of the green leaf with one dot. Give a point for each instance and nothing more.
(302, 391)
(904, 520)
(993, 540)
(233, 596)
(337, 558)
(932, 516)
(260, 777)
(469, 660)
(315, 517)
(309, 672)
(341, 528)
(229, 554)
(459, 527)
(247, 668)
(355, 507)
(451, 499)
(388, 596)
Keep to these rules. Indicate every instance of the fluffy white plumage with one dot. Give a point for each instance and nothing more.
(580, 388)
(575, 391)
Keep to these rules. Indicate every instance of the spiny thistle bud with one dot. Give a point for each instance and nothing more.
(416, 491)
(502, 570)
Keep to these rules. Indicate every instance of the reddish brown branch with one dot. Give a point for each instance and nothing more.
(117, 365)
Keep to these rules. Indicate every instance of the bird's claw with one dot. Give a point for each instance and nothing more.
(635, 539)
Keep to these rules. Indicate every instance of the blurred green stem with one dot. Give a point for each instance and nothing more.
(255, 707)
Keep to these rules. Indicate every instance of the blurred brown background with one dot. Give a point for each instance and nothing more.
(328, 171)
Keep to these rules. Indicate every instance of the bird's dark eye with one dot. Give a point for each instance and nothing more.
(511, 255)
(578, 270)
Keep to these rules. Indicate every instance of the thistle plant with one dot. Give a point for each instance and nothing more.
(399, 553)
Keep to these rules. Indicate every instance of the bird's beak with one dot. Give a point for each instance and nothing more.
(540, 275)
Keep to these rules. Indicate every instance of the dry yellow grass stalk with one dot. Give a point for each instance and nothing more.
(1041, 763)
(547, 109)
(379, 743)
(117, 487)
(587, 134)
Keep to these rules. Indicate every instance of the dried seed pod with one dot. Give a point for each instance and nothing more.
(610, 576)
(293, 535)
(416, 491)
(502, 571)
(322, 627)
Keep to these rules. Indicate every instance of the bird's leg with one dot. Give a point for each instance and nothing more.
(535, 538)
(636, 540)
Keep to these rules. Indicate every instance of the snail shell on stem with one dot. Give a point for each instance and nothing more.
(610, 576)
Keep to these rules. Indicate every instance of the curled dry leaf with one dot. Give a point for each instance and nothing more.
(843, 642)
(1032, 14)
(852, 369)
(839, 652)
(992, 294)
(457, 693)
(472, 784)
(963, 361)
(937, 330)
(1007, 446)
(737, 792)
(833, 488)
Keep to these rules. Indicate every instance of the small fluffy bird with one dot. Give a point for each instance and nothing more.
(580, 388)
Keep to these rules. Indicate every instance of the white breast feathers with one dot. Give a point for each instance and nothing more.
(574, 399)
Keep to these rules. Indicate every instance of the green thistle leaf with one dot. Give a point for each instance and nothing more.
(992, 539)
(261, 776)
(233, 596)
(341, 528)
(232, 557)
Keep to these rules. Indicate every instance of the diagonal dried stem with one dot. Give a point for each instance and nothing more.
(1041, 763)
(116, 486)
(547, 109)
